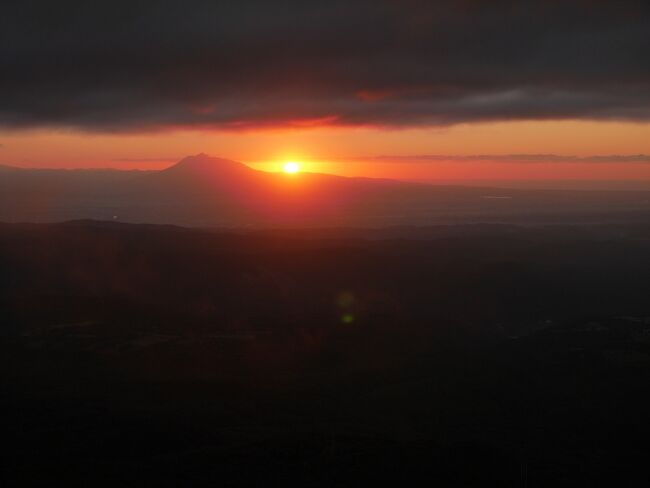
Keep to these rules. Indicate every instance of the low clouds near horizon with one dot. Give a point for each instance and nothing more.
(443, 158)
(515, 158)
(118, 66)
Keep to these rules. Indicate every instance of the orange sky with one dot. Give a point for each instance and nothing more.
(344, 150)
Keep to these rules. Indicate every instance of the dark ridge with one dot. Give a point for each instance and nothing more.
(203, 163)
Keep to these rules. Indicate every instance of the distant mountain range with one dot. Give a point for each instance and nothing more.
(213, 192)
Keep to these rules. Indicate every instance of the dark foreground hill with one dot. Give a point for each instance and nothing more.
(202, 191)
(448, 356)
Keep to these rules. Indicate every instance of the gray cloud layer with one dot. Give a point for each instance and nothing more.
(235, 64)
(518, 158)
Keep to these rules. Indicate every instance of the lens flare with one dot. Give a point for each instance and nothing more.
(347, 318)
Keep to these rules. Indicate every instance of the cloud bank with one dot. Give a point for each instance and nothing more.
(233, 65)
(516, 158)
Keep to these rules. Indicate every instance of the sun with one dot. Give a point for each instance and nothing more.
(291, 167)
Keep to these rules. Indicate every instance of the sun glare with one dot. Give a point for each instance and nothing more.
(291, 167)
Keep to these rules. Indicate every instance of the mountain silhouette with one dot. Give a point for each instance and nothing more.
(202, 165)
(201, 190)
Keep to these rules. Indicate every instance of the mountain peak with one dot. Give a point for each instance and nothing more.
(204, 163)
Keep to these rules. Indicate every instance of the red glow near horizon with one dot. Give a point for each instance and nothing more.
(350, 151)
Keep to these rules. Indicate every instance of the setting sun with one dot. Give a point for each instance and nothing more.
(291, 167)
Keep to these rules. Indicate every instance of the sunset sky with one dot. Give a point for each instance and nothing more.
(400, 89)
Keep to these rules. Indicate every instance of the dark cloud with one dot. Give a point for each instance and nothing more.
(236, 64)
(516, 158)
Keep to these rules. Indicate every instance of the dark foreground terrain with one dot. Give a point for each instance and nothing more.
(446, 356)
